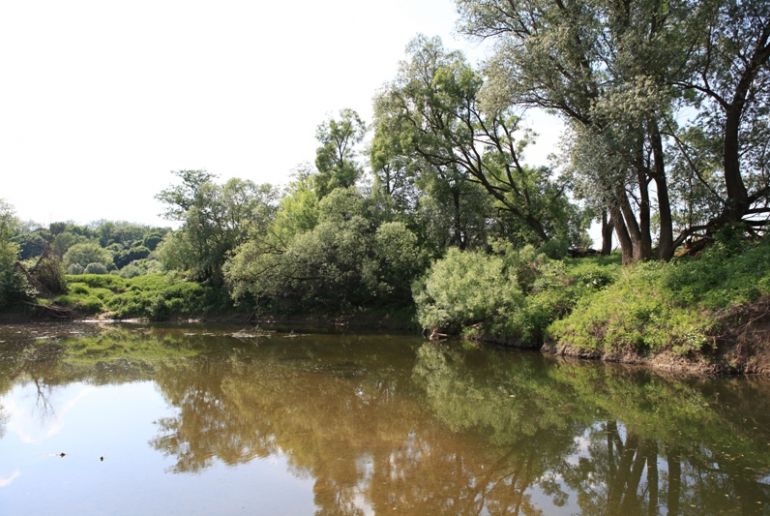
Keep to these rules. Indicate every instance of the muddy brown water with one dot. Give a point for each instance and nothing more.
(212, 420)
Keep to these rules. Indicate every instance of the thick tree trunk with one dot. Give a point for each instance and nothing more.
(666, 235)
(737, 196)
(626, 246)
(639, 250)
(645, 237)
(607, 228)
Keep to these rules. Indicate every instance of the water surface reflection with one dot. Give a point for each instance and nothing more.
(369, 424)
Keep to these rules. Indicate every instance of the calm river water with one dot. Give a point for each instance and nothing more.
(129, 420)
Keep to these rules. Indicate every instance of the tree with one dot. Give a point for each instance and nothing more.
(623, 75)
(451, 126)
(336, 157)
(603, 67)
(346, 260)
(86, 253)
(216, 219)
(728, 80)
(13, 285)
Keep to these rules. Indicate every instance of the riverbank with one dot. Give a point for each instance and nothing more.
(708, 313)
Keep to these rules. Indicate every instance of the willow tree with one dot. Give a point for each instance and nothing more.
(444, 118)
(728, 82)
(626, 75)
(336, 155)
(215, 220)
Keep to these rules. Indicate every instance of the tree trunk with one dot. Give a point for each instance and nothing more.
(666, 235)
(645, 237)
(607, 227)
(626, 246)
(634, 232)
(457, 232)
(737, 196)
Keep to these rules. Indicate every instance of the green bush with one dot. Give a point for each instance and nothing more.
(86, 253)
(75, 268)
(467, 288)
(95, 268)
(512, 295)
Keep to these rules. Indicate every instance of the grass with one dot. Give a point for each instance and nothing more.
(675, 306)
(154, 296)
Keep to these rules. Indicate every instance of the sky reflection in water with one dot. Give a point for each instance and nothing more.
(196, 421)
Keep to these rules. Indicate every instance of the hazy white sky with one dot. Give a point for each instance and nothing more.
(100, 100)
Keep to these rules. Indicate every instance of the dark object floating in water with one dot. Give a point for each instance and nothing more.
(101, 459)
(62, 455)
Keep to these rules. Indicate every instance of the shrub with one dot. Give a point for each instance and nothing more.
(513, 295)
(75, 268)
(86, 253)
(467, 288)
(95, 268)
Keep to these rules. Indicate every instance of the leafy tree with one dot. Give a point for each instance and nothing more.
(13, 286)
(86, 253)
(345, 261)
(336, 157)
(728, 81)
(123, 258)
(437, 107)
(64, 240)
(32, 243)
(216, 219)
(624, 75)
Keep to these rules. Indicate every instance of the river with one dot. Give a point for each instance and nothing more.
(212, 420)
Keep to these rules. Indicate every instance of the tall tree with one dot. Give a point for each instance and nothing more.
(602, 66)
(728, 80)
(437, 107)
(336, 156)
(215, 220)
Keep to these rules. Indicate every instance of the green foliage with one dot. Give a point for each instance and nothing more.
(124, 257)
(95, 268)
(75, 268)
(467, 288)
(87, 253)
(140, 267)
(49, 275)
(345, 261)
(434, 123)
(13, 285)
(676, 306)
(31, 244)
(335, 158)
(510, 296)
(216, 219)
(64, 240)
(154, 296)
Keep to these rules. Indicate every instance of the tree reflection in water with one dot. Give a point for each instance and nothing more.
(400, 426)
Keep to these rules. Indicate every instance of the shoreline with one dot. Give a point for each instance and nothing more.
(731, 359)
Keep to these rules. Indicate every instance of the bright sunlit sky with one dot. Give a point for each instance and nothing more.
(100, 100)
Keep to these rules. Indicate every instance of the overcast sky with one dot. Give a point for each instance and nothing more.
(100, 100)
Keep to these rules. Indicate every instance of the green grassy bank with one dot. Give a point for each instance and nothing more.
(712, 309)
